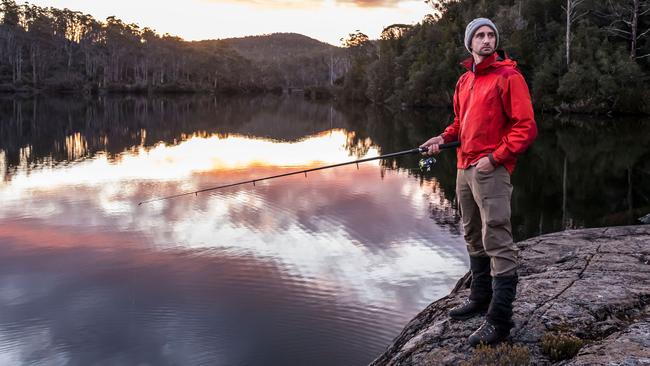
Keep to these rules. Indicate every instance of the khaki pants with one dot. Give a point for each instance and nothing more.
(484, 200)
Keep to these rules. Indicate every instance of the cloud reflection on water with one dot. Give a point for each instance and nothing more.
(344, 212)
(359, 239)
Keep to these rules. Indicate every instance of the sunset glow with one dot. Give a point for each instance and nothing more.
(250, 222)
(195, 155)
(327, 20)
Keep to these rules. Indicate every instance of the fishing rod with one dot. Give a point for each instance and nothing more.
(425, 164)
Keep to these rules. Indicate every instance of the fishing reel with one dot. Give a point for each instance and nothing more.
(427, 164)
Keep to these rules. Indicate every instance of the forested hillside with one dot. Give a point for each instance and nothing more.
(588, 56)
(597, 61)
(53, 49)
(290, 59)
(277, 46)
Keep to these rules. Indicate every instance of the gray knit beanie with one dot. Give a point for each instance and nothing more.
(473, 26)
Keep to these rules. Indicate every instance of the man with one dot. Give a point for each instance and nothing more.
(494, 122)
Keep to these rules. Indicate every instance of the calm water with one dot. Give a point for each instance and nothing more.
(323, 270)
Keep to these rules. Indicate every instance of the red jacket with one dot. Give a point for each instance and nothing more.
(493, 113)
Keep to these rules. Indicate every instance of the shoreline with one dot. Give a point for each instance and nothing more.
(588, 284)
(316, 93)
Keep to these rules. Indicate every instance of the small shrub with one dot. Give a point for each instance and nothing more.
(560, 347)
(502, 355)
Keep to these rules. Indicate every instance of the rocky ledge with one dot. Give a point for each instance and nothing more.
(591, 284)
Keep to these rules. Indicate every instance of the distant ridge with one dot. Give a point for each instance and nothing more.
(276, 46)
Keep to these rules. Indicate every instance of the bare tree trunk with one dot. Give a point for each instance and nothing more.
(19, 65)
(633, 26)
(568, 33)
(625, 17)
(107, 77)
(68, 50)
(87, 63)
(34, 49)
(11, 56)
(146, 71)
(571, 17)
(331, 70)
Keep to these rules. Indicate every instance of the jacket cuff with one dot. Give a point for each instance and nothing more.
(492, 160)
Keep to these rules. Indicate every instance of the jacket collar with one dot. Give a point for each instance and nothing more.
(496, 59)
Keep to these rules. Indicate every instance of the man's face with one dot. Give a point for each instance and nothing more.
(484, 41)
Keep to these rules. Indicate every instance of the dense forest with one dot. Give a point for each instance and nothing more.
(578, 55)
(65, 50)
(588, 56)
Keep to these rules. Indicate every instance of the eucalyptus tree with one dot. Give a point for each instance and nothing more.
(11, 36)
(628, 19)
(361, 52)
(573, 14)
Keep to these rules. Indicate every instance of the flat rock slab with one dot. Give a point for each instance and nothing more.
(591, 283)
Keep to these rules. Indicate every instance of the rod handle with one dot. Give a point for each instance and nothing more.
(449, 145)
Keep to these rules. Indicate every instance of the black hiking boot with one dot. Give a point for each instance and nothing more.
(498, 323)
(488, 334)
(480, 290)
(468, 309)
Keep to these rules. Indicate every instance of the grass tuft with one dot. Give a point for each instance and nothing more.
(560, 347)
(502, 355)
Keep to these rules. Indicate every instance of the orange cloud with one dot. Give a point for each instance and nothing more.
(270, 4)
(310, 4)
(371, 3)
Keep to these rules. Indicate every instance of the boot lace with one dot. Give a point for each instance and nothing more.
(462, 304)
(485, 330)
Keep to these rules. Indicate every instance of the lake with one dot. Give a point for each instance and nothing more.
(318, 270)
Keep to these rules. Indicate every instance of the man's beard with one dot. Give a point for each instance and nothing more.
(485, 51)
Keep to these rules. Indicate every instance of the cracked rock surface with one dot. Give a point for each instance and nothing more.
(591, 283)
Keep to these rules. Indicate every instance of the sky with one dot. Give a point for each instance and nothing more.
(324, 20)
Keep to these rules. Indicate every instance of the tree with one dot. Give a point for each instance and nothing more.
(625, 18)
(394, 31)
(572, 16)
(361, 52)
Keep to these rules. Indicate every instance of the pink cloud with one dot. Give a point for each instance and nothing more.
(311, 3)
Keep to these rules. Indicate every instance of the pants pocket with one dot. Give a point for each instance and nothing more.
(497, 210)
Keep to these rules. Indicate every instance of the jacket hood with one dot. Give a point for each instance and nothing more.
(498, 59)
